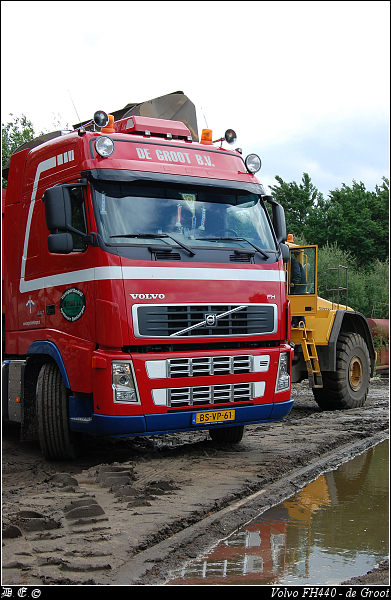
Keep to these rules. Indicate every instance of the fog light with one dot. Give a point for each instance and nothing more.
(124, 386)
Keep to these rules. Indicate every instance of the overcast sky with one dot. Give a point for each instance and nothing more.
(304, 84)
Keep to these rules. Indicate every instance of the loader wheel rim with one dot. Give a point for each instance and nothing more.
(356, 373)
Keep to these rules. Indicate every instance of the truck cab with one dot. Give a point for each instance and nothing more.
(144, 287)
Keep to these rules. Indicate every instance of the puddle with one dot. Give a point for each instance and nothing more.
(333, 529)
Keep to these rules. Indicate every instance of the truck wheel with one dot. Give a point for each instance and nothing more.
(227, 435)
(57, 440)
(347, 387)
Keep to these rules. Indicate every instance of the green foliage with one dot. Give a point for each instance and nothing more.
(332, 257)
(375, 282)
(351, 228)
(13, 134)
(352, 217)
(366, 286)
(300, 202)
(381, 338)
(357, 220)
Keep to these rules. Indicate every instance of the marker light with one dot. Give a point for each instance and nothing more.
(109, 128)
(253, 163)
(206, 137)
(230, 136)
(101, 118)
(104, 146)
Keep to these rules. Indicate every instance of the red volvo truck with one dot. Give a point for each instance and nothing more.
(143, 286)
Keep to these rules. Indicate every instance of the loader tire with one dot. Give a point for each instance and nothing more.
(57, 440)
(227, 435)
(347, 386)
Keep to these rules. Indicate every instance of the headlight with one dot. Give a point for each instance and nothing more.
(104, 146)
(253, 163)
(283, 378)
(124, 387)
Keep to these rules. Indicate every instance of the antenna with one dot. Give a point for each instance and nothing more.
(205, 119)
(74, 107)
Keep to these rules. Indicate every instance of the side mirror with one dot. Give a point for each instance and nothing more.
(57, 208)
(60, 243)
(279, 222)
(278, 219)
(285, 252)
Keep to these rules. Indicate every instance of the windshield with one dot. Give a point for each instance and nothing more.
(196, 216)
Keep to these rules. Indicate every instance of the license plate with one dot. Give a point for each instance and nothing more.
(213, 416)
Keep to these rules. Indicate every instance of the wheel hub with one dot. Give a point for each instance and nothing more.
(355, 373)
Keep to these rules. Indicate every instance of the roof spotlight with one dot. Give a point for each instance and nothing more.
(101, 118)
(253, 163)
(230, 136)
(104, 146)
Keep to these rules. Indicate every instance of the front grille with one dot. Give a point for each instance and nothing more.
(209, 365)
(191, 321)
(209, 394)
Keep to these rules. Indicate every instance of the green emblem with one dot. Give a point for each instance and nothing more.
(72, 304)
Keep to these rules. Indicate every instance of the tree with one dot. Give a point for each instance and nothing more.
(13, 134)
(357, 220)
(301, 202)
(354, 218)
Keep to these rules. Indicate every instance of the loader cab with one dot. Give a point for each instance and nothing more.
(301, 279)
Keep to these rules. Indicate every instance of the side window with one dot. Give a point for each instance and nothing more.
(79, 220)
(302, 271)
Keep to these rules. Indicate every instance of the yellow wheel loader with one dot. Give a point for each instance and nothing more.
(333, 344)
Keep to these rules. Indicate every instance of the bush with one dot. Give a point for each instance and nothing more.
(367, 286)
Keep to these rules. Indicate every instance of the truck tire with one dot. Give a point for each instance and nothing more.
(227, 435)
(347, 387)
(57, 440)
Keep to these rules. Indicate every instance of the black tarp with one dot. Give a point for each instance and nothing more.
(173, 107)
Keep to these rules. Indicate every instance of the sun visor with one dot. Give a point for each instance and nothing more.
(124, 176)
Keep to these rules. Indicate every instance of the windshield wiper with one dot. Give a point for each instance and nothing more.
(155, 236)
(235, 239)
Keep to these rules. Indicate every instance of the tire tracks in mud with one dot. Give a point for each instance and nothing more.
(132, 512)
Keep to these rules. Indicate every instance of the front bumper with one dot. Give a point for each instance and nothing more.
(128, 426)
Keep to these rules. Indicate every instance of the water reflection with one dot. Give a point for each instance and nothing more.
(335, 528)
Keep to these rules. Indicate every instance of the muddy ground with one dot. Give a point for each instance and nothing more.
(132, 512)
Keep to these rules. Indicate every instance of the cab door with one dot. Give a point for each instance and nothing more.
(70, 295)
(301, 280)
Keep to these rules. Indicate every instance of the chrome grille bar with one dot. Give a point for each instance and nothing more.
(212, 365)
(211, 394)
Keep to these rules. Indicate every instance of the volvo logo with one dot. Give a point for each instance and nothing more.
(147, 296)
(211, 320)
